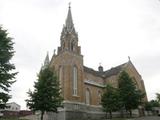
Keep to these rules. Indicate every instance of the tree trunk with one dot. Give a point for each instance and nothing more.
(126, 114)
(106, 115)
(130, 113)
(122, 114)
(42, 113)
(110, 112)
(147, 112)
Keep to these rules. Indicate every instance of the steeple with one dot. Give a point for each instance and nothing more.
(69, 37)
(69, 26)
(46, 62)
(69, 22)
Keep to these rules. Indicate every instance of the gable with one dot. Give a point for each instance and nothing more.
(132, 71)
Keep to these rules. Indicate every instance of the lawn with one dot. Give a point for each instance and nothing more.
(120, 119)
(12, 119)
(27, 119)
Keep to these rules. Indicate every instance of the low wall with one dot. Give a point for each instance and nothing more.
(80, 111)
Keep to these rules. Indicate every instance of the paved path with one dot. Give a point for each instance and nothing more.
(147, 118)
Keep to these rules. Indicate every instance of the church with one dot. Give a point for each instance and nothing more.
(82, 86)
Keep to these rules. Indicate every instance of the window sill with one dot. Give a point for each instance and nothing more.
(75, 96)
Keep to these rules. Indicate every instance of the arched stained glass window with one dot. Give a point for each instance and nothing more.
(99, 97)
(88, 96)
(75, 80)
(60, 75)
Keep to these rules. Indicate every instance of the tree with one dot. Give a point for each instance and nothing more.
(110, 100)
(130, 95)
(154, 103)
(158, 97)
(6, 75)
(149, 106)
(46, 95)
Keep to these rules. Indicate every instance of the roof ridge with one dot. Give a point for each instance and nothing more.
(107, 73)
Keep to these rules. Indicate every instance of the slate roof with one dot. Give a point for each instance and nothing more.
(107, 73)
(92, 71)
(114, 70)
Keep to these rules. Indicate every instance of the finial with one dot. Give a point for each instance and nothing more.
(129, 58)
(99, 64)
(69, 4)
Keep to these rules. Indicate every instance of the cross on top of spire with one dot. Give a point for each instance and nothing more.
(69, 4)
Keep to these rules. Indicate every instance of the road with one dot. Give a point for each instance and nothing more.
(147, 118)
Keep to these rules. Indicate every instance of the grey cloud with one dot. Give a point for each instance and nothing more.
(149, 64)
(48, 3)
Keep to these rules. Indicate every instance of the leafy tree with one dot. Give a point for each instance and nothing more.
(110, 100)
(148, 107)
(154, 103)
(151, 104)
(6, 75)
(130, 95)
(46, 95)
(158, 97)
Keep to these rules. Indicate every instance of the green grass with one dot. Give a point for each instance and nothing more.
(8, 118)
(119, 119)
(27, 119)
(12, 119)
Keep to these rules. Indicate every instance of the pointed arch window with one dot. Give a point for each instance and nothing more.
(63, 45)
(99, 97)
(88, 96)
(75, 80)
(135, 82)
(72, 46)
(60, 75)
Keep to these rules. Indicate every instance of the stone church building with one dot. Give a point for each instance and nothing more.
(82, 86)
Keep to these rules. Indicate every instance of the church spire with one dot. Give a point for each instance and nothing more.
(69, 37)
(46, 61)
(69, 22)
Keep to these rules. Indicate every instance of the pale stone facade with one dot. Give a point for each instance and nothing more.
(82, 87)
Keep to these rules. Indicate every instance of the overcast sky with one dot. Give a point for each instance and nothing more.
(109, 31)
